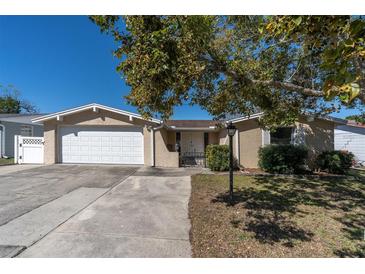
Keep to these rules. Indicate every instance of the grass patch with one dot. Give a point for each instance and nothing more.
(278, 217)
(8, 161)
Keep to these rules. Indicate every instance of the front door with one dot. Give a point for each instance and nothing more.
(192, 148)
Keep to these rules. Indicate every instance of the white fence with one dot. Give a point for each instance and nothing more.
(28, 150)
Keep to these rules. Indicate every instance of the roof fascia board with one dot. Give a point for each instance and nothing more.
(192, 128)
(334, 120)
(244, 118)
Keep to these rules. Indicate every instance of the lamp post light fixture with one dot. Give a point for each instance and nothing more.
(231, 131)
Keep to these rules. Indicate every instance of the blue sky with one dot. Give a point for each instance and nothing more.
(59, 62)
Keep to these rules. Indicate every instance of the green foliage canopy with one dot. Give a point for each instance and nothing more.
(282, 65)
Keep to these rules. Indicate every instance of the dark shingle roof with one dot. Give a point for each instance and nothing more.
(18, 118)
(7, 115)
(192, 123)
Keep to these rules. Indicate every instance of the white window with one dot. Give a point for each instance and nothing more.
(26, 130)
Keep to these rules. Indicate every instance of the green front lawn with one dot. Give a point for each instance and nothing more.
(8, 161)
(278, 217)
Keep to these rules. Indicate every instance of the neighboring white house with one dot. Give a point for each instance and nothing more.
(351, 137)
(16, 124)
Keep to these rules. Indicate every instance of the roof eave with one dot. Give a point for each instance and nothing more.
(244, 118)
(211, 129)
(332, 119)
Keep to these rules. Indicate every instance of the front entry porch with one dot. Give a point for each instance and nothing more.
(190, 138)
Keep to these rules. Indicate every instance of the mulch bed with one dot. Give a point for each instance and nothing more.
(260, 172)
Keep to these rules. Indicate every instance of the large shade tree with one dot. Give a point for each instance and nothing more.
(231, 65)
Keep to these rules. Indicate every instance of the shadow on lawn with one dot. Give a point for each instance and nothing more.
(273, 203)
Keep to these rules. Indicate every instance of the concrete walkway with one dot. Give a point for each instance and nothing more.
(143, 216)
(30, 227)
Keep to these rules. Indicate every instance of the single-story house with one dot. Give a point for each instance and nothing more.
(351, 137)
(17, 124)
(99, 134)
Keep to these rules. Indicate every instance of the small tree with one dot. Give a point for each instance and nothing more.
(10, 101)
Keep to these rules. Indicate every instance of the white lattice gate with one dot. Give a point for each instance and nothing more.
(28, 150)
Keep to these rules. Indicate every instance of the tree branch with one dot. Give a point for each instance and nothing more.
(290, 87)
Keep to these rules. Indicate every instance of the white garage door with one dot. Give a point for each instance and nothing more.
(103, 145)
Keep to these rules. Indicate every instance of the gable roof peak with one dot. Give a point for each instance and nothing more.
(90, 106)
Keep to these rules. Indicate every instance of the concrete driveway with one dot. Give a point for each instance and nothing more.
(101, 211)
(24, 189)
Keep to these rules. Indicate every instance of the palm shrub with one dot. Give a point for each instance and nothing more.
(283, 159)
(336, 161)
(217, 157)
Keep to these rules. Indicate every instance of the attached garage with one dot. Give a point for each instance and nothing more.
(97, 134)
(101, 145)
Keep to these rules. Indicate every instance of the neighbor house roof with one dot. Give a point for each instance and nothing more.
(95, 107)
(258, 115)
(24, 118)
(355, 124)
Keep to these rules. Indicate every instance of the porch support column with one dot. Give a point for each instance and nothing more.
(237, 138)
(152, 146)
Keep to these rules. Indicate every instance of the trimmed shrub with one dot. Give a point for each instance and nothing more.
(283, 159)
(217, 157)
(337, 161)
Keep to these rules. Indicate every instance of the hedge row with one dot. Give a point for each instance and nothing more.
(283, 159)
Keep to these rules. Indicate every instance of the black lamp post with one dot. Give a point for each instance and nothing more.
(231, 130)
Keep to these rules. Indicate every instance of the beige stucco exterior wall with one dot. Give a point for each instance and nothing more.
(318, 136)
(250, 140)
(147, 144)
(90, 118)
(163, 156)
(171, 140)
(223, 138)
(50, 142)
(246, 144)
